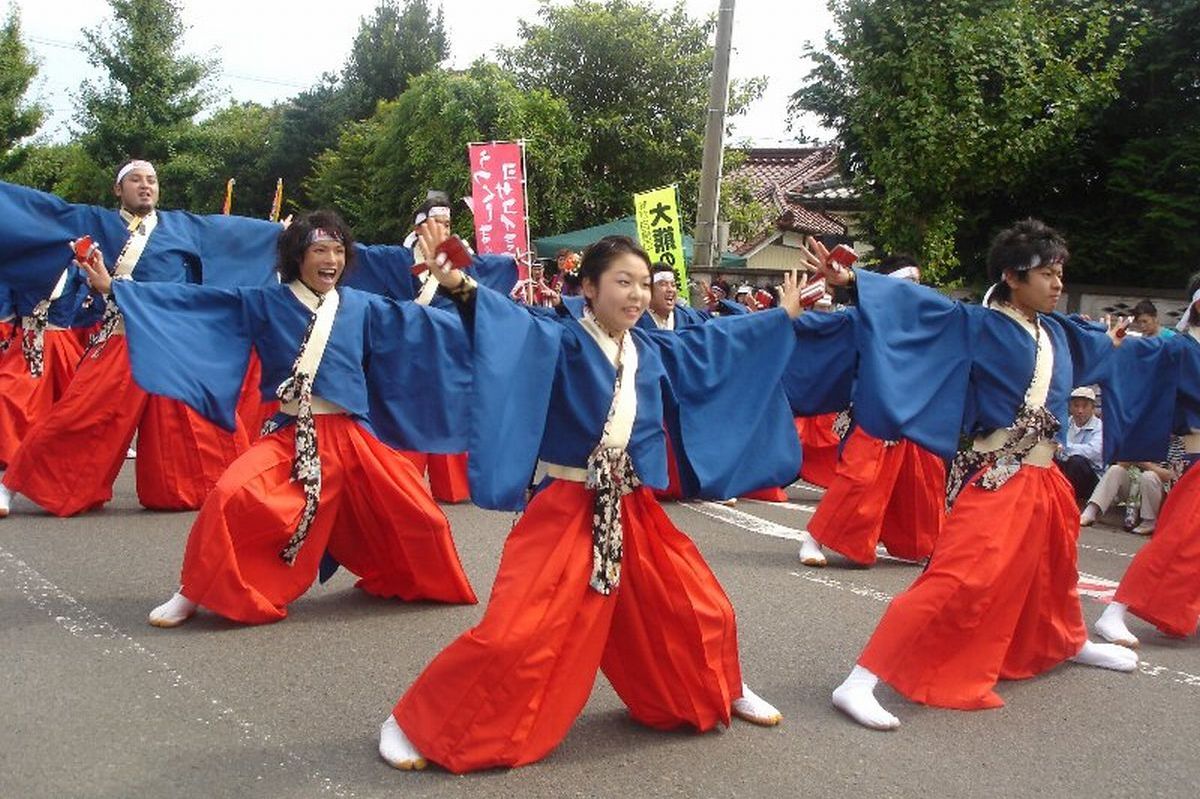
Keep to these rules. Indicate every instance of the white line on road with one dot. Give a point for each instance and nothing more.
(1090, 585)
(1149, 669)
(82, 622)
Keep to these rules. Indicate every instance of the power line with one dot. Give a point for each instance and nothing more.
(234, 75)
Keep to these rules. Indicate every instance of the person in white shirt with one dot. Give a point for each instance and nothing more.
(1081, 458)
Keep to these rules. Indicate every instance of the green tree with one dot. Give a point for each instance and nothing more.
(635, 79)
(232, 143)
(382, 167)
(938, 103)
(391, 48)
(18, 118)
(1127, 190)
(151, 91)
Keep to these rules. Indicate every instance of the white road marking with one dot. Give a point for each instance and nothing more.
(1090, 585)
(82, 622)
(1145, 667)
(796, 506)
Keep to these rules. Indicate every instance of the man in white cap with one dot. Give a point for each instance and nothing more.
(68, 461)
(1081, 459)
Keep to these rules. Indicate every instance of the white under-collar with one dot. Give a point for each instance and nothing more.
(306, 295)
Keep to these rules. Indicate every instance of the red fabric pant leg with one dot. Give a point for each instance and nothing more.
(71, 457)
(250, 401)
(389, 531)
(448, 477)
(672, 652)
(1051, 628)
(1162, 584)
(674, 489)
(24, 398)
(947, 638)
(181, 455)
(916, 509)
(849, 517)
(506, 691)
(820, 448)
(231, 565)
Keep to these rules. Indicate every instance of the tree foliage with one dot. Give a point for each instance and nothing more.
(635, 80)
(18, 118)
(151, 91)
(393, 46)
(235, 142)
(938, 103)
(383, 166)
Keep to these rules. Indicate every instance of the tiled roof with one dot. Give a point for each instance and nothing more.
(780, 177)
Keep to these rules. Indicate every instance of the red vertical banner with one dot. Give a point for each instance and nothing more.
(498, 198)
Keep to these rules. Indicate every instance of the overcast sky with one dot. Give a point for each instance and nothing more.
(270, 49)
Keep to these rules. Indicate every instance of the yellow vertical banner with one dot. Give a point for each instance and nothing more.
(658, 228)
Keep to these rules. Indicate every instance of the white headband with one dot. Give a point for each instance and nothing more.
(664, 277)
(436, 212)
(1182, 324)
(132, 165)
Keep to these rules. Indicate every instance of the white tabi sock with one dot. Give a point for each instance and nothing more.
(1107, 656)
(856, 698)
(396, 749)
(753, 708)
(810, 551)
(174, 612)
(1089, 515)
(5, 499)
(1112, 628)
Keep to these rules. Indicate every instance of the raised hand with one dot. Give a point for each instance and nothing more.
(793, 284)
(431, 237)
(1118, 327)
(816, 257)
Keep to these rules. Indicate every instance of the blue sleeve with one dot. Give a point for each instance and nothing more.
(35, 230)
(235, 251)
(1139, 400)
(497, 272)
(418, 377)
(914, 363)
(731, 308)
(383, 269)
(189, 343)
(513, 361)
(820, 374)
(734, 423)
(1092, 350)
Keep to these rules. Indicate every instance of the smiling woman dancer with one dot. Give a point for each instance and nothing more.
(341, 361)
(595, 576)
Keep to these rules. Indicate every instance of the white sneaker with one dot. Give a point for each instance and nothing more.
(856, 698)
(174, 612)
(810, 552)
(5, 500)
(396, 749)
(753, 708)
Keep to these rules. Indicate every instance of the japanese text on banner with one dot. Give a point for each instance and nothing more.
(498, 198)
(659, 230)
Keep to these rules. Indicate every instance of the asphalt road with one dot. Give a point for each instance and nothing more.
(96, 703)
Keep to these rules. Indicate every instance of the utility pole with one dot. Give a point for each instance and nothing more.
(714, 141)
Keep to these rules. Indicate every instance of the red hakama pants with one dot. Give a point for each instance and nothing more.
(24, 398)
(674, 490)
(1162, 584)
(998, 599)
(447, 475)
(70, 458)
(253, 410)
(820, 445)
(891, 494)
(375, 518)
(506, 692)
